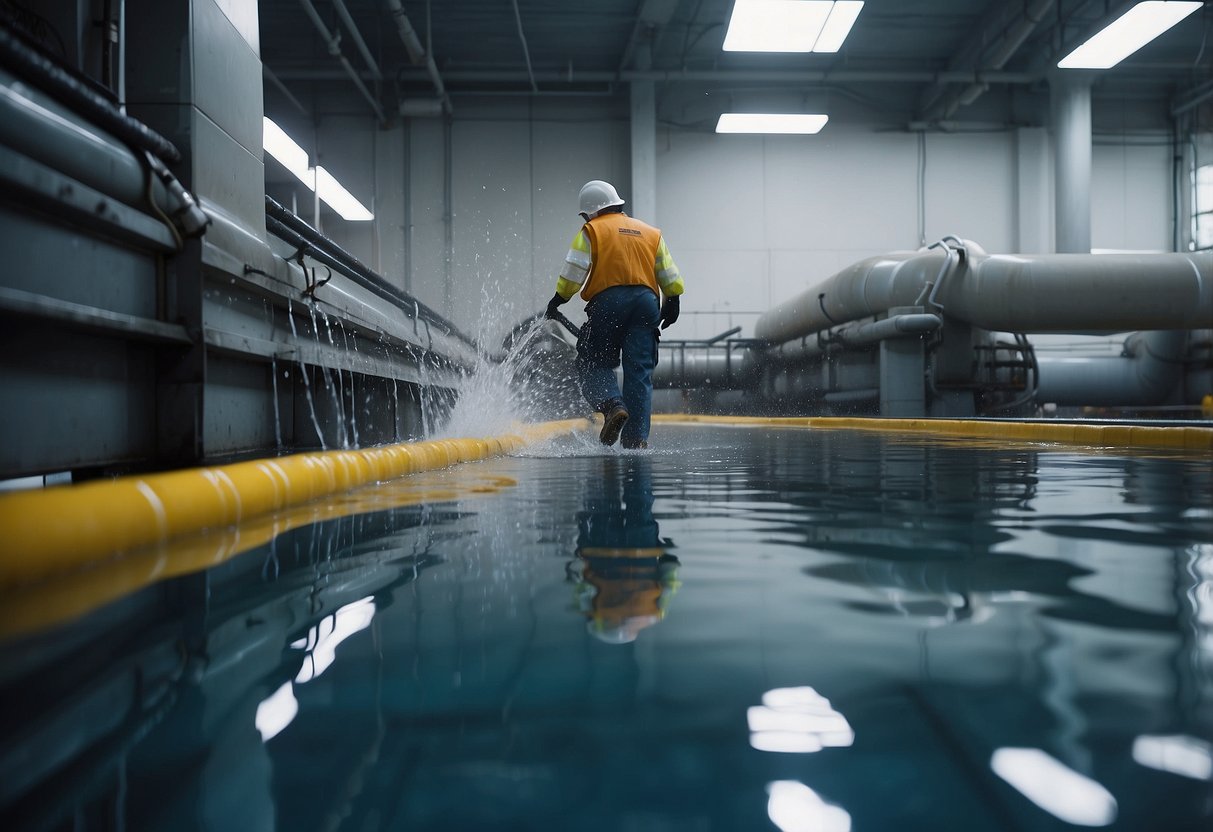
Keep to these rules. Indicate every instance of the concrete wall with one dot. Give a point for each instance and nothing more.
(751, 220)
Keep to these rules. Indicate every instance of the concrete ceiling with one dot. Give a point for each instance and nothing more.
(924, 61)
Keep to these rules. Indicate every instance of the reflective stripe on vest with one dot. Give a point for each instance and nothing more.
(624, 254)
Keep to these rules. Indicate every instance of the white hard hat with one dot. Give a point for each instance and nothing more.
(596, 195)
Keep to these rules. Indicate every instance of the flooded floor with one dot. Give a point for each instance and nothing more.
(743, 629)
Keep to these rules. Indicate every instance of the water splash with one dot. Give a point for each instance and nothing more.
(345, 339)
(277, 415)
(338, 408)
(307, 384)
(528, 378)
(269, 313)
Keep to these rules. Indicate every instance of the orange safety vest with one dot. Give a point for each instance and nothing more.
(623, 252)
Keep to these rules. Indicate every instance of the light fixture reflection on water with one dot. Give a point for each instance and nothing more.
(1177, 754)
(276, 712)
(1055, 787)
(797, 720)
(794, 807)
(323, 639)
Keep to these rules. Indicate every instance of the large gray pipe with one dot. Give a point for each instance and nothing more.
(722, 368)
(1145, 374)
(1016, 293)
(40, 128)
(696, 367)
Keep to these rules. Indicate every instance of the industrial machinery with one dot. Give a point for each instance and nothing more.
(160, 311)
(943, 331)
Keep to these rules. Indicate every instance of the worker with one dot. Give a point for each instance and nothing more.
(623, 575)
(623, 269)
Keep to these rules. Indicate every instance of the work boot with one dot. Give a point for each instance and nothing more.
(613, 423)
(634, 444)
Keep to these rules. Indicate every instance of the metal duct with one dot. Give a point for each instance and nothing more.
(1018, 293)
(1144, 374)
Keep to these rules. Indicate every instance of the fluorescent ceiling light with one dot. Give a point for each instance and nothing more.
(771, 122)
(283, 148)
(790, 25)
(1128, 33)
(838, 25)
(294, 158)
(339, 199)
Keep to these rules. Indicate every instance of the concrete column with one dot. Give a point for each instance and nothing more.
(1071, 107)
(1033, 201)
(642, 202)
(194, 74)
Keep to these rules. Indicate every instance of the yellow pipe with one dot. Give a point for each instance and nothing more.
(61, 528)
(1107, 436)
(32, 607)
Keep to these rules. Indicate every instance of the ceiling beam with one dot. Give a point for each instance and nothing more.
(334, 48)
(1002, 31)
(651, 18)
(741, 76)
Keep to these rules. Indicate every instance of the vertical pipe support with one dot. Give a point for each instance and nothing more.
(1070, 97)
(644, 150)
(903, 373)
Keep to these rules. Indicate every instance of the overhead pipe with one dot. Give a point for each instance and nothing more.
(418, 54)
(1016, 293)
(1146, 373)
(57, 83)
(739, 76)
(1014, 37)
(526, 52)
(352, 28)
(1194, 99)
(334, 47)
(292, 229)
(51, 134)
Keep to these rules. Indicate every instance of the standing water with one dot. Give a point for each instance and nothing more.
(745, 629)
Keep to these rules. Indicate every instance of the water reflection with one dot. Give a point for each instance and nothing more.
(797, 720)
(794, 807)
(426, 666)
(1182, 755)
(623, 576)
(1054, 787)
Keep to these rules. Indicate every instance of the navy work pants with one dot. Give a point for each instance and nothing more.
(622, 320)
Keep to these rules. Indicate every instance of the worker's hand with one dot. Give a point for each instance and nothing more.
(553, 305)
(669, 311)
